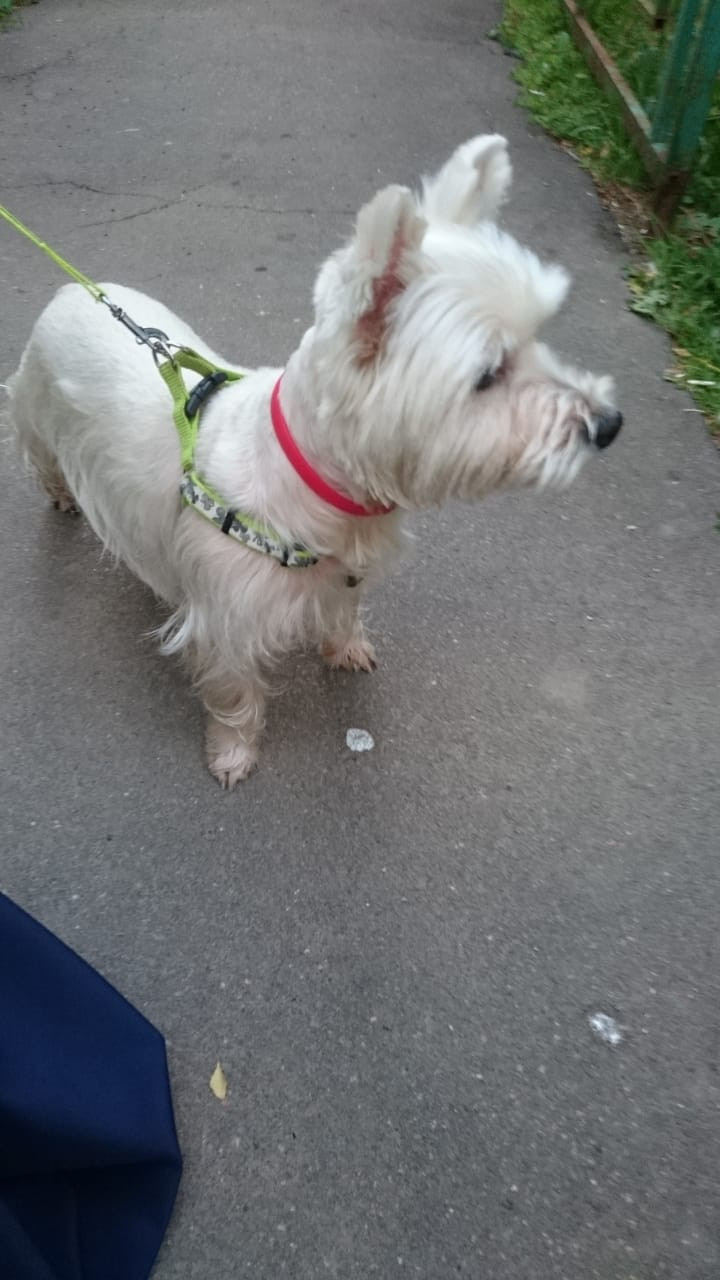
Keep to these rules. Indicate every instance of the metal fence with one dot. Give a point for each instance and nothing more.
(666, 119)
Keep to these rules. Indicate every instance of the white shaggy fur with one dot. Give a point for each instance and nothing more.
(382, 394)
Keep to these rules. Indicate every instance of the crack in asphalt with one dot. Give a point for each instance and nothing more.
(11, 77)
(78, 186)
(41, 183)
(206, 204)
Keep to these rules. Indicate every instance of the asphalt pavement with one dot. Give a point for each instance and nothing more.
(394, 954)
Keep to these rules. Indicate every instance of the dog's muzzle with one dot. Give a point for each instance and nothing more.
(605, 428)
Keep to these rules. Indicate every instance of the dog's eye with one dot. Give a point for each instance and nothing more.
(491, 376)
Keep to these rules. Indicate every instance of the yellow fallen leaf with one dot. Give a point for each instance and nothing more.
(218, 1083)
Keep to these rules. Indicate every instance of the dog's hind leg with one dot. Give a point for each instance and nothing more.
(35, 451)
(50, 476)
(31, 391)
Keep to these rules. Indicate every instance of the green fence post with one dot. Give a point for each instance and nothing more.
(702, 70)
(684, 97)
(672, 91)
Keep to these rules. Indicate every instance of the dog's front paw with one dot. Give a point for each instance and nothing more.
(230, 759)
(232, 766)
(358, 655)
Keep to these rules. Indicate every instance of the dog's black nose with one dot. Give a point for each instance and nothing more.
(606, 427)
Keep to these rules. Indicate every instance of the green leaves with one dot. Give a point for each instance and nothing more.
(677, 284)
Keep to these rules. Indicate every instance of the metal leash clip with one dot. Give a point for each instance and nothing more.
(155, 339)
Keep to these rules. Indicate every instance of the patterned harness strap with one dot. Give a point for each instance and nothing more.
(195, 491)
(243, 528)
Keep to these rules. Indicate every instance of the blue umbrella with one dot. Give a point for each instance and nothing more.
(89, 1158)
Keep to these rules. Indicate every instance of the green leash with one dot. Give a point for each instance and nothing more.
(155, 339)
(67, 267)
(195, 492)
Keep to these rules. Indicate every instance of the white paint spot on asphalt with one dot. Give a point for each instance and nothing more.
(359, 740)
(606, 1028)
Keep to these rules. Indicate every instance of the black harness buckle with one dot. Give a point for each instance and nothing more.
(203, 391)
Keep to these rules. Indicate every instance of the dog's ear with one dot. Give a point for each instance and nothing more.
(382, 259)
(472, 185)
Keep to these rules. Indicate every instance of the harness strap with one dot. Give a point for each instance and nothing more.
(195, 491)
(243, 528)
(187, 423)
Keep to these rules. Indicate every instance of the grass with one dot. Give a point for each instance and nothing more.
(676, 279)
(7, 7)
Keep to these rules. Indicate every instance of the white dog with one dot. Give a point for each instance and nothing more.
(420, 380)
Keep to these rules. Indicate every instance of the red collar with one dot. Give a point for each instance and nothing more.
(307, 472)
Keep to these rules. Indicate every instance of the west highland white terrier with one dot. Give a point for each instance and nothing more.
(420, 380)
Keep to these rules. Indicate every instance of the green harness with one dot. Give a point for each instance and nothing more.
(186, 416)
(196, 492)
